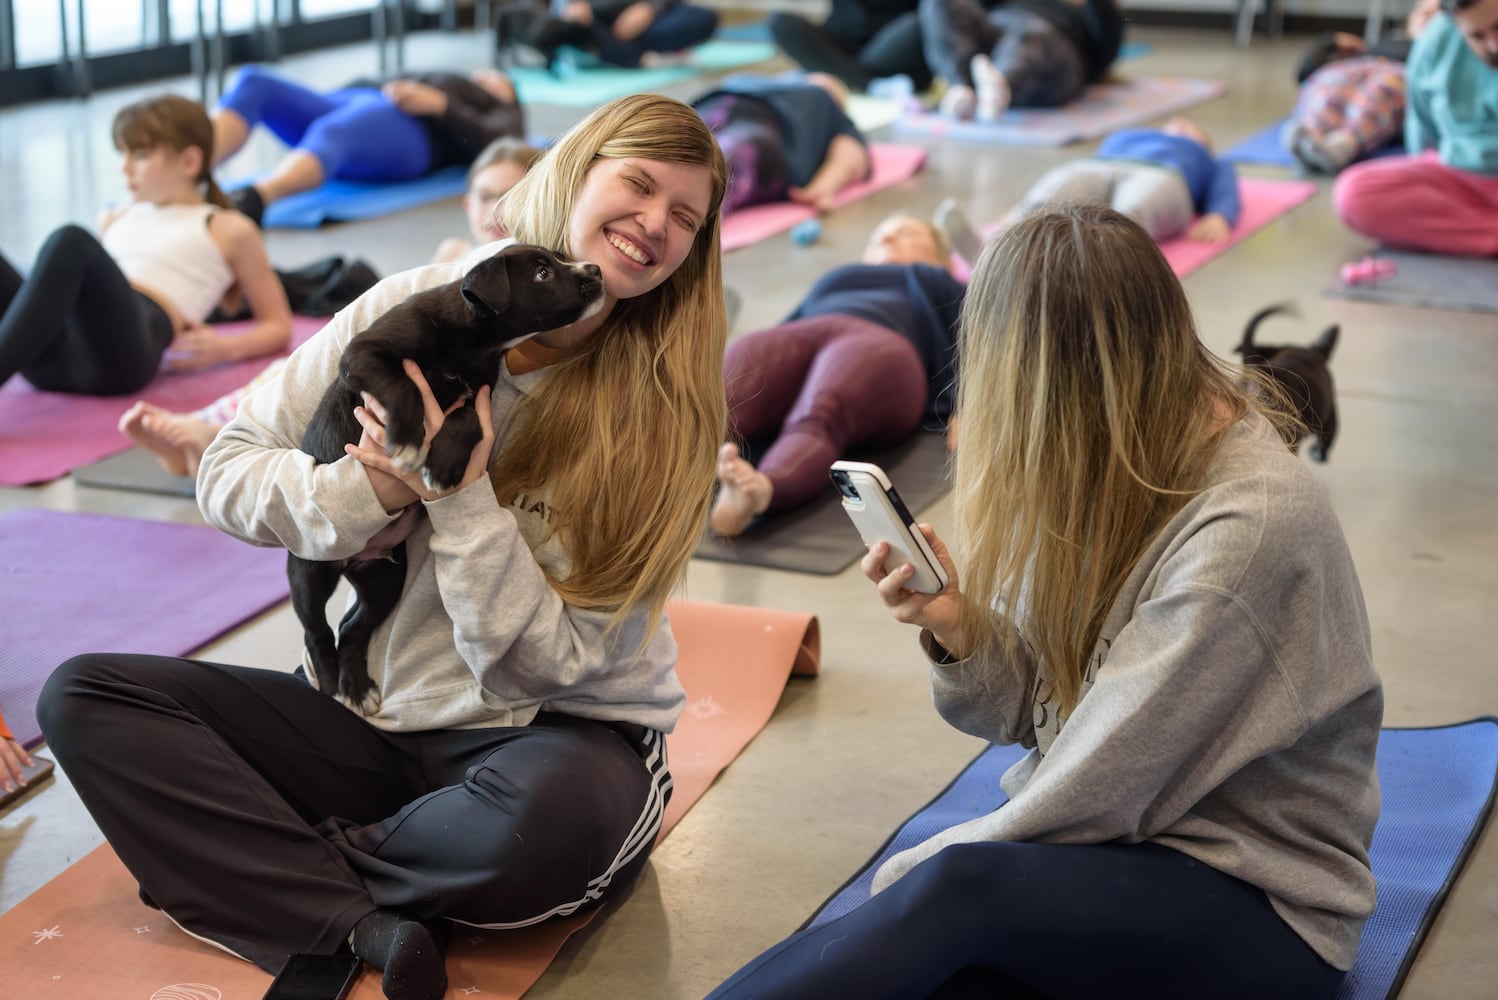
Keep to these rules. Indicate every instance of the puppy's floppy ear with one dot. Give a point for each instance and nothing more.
(486, 288)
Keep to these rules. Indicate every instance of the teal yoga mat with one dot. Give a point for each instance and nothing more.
(1437, 785)
(580, 85)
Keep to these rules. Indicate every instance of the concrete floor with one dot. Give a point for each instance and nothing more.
(846, 757)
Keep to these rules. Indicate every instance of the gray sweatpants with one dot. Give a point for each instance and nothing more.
(1156, 197)
(1042, 66)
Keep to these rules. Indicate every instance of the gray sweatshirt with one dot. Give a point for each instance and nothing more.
(1231, 710)
(480, 638)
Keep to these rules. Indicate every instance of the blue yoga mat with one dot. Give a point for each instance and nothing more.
(582, 84)
(346, 201)
(1264, 148)
(1437, 785)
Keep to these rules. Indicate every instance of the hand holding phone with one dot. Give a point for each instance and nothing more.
(879, 514)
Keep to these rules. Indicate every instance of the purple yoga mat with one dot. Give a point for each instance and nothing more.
(88, 583)
(44, 435)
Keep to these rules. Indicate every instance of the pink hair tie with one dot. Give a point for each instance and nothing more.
(1368, 271)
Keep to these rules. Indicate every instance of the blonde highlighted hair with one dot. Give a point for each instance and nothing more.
(623, 433)
(177, 123)
(1090, 412)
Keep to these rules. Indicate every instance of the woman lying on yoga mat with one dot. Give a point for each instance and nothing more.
(619, 32)
(785, 137)
(395, 129)
(1155, 597)
(1165, 179)
(865, 358)
(515, 769)
(1017, 53)
(96, 316)
(178, 439)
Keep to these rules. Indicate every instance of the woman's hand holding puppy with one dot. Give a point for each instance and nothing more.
(939, 613)
(396, 487)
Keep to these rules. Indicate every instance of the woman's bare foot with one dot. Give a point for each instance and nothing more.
(958, 102)
(743, 493)
(178, 440)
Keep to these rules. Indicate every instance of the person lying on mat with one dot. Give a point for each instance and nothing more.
(865, 359)
(13, 759)
(379, 131)
(625, 33)
(515, 768)
(1443, 196)
(1155, 596)
(1167, 180)
(1351, 100)
(786, 137)
(859, 42)
(1017, 53)
(97, 315)
(179, 439)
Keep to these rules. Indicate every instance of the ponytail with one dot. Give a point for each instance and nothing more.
(212, 193)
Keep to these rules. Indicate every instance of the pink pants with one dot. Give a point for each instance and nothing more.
(818, 386)
(1419, 203)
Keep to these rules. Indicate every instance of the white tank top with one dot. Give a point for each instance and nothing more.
(167, 249)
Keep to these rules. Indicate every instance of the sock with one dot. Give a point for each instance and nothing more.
(991, 88)
(950, 220)
(958, 102)
(406, 951)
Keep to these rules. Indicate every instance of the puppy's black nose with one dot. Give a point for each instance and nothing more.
(591, 270)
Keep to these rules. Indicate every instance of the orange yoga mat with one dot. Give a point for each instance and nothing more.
(85, 933)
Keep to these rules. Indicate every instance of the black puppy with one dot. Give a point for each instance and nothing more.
(1303, 372)
(457, 333)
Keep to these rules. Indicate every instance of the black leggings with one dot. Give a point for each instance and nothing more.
(75, 324)
(1005, 921)
(893, 49)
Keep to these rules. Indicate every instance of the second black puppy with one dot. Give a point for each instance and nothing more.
(457, 334)
(1303, 372)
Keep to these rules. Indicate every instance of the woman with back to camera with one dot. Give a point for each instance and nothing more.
(515, 769)
(1153, 594)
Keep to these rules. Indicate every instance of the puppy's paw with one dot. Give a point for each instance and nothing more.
(359, 694)
(408, 457)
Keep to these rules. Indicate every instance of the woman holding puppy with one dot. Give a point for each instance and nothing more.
(515, 769)
(1156, 598)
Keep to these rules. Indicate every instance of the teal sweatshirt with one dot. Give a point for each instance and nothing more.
(1452, 100)
(1231, 710)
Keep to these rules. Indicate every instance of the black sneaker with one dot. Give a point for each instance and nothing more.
(248, 201)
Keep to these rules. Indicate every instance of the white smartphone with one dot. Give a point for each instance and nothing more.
(881, 516)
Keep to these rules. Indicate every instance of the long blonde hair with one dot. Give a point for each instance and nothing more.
(623, 433)
(177, 123)
(1090, 411)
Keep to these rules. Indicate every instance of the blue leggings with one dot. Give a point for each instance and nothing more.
(356, 134)
(1001, 920)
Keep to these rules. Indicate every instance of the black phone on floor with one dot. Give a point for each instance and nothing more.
(315, 977)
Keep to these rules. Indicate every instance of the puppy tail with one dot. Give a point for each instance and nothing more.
(1327, 342)
(1247, 344)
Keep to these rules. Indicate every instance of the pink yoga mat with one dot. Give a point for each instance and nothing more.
(1263, 202)
(892, 164)
(44, 435)
(86, 583)
(1104, 108)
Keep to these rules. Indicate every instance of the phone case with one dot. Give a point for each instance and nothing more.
(879, 514)
(315, 977)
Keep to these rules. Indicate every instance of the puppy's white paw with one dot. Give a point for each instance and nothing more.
(408, 458)
(433, 483)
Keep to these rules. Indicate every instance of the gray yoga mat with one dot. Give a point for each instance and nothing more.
(1431, 281)
(135, 469)
(818, 538)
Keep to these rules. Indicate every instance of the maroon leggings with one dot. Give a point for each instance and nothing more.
(819, 386)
